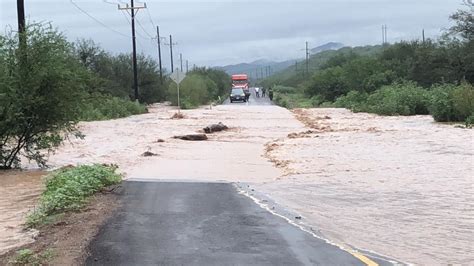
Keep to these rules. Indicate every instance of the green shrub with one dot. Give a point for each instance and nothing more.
(396, 99)
(195, 90)
(354, 101)
(40, 94)
(399, 99)
(441, 103)
(284, 89)
(469, 121)
(463, 100)
(451, 102)
(316, 100)
(102, 107)
(68, 189)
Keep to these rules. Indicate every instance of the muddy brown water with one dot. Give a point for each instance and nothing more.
(399, 186)
(19, 193)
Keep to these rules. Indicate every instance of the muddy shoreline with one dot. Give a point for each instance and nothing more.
(68, 237)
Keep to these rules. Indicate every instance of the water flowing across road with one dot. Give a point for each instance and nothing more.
(399, 186)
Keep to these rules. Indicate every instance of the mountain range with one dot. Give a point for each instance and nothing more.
(257, 68)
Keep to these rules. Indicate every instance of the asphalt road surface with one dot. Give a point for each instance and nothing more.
(168, 223)
(253, 100)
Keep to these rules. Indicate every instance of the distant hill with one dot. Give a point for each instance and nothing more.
(326, 47)
(254, 69)
(294, 75)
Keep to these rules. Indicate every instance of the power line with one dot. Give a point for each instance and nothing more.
(151, 20)
(141, 26)
(96, 20)
(130, 23)
(139, 35)
(133, 9)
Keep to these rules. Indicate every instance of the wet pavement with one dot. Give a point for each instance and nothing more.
(253, 100)
(169, 223)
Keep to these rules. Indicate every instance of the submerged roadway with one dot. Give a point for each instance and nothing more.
(187, 223)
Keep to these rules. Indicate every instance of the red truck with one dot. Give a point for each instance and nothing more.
(241, 81)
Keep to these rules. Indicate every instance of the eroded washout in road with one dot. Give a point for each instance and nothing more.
(375, 183)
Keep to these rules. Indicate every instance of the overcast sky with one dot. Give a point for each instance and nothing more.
(225, 32)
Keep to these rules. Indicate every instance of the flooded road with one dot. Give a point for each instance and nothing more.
(233, 155)
(19, 192)
(400, 186)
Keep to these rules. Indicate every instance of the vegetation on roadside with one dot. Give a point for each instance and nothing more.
(407, 78)
(100, 107)
(29, 257)
(68, 189)
(40, 94)
(49, 84)
(201, 86)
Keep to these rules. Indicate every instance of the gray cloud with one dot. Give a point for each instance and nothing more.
(223, 32)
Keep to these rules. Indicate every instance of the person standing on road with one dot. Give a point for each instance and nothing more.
(270, 93)
(257, 92)
(263, 92)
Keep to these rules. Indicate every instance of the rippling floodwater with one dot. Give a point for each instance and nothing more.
(400, 186)
(19, 192)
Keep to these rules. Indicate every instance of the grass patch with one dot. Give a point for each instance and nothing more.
(29, 257)
(68, 190)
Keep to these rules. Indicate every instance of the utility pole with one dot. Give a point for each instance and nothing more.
(187, 66)
(171, 52)
(159, 53)
(307, 59)
(423, 34)
(132, 8)
(20, 8)
(384, 35)
(181, 61)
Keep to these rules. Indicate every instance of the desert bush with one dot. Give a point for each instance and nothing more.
(69, 188)
(102, 107)
(354, 100)
(195, 90)
(399, 99)
(284, 89)
(40, 94)
(451, 102)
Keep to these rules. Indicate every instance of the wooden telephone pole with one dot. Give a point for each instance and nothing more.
(159, 53)
(133, 11)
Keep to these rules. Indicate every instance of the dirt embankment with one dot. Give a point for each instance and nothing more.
(68, 236)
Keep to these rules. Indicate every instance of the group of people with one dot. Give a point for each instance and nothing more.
(264, 93)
